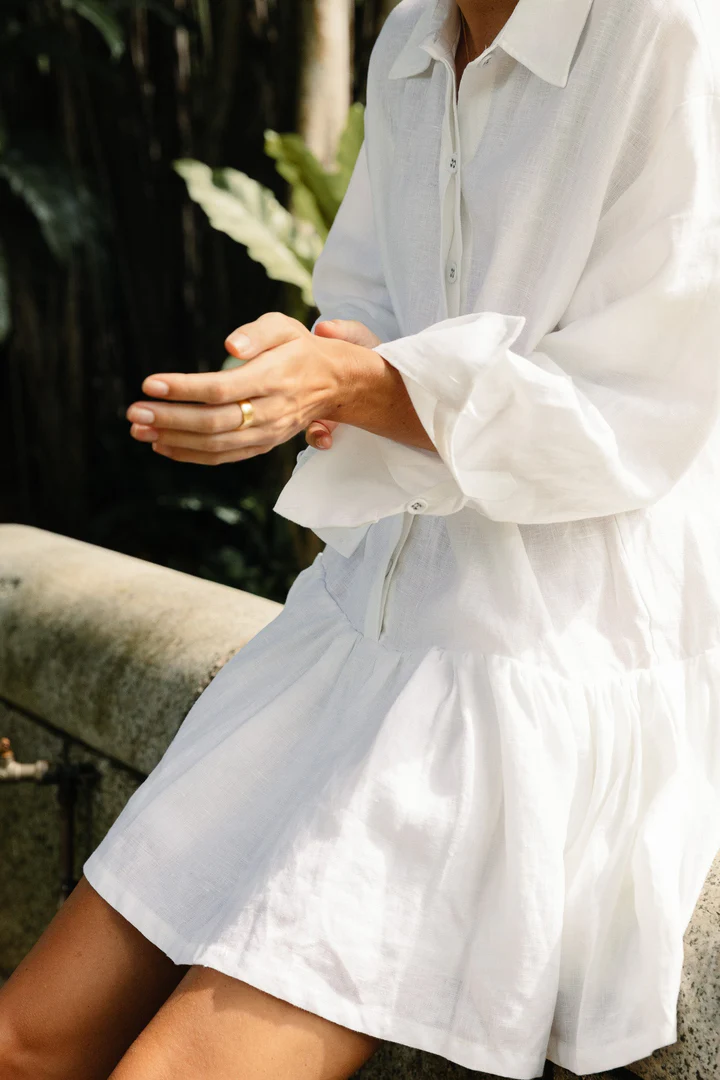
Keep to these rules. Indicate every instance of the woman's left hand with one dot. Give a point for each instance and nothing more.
(293, 378)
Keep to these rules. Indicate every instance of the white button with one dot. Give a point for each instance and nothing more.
(453, 164)
(452, 273)
(487, 60)
(418, 506)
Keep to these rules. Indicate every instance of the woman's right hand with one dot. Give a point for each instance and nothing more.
(319, 433)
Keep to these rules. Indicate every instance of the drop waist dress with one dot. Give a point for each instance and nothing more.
(463, 792)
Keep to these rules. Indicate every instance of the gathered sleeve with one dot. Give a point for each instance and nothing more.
(611, 407)
(348, 279)
(364, 477)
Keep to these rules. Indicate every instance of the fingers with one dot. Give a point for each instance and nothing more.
(201, 457)
(213, 444)
(265, 333)
(207, 387)
(208, 434)
(319, 434)
(201, 419)
(223, 387)
(348, 330)
(206, 419)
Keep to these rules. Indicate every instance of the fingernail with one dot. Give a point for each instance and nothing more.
(156, 386)
(141, 416)
(144, 434)
(324, 443)
(240, 342)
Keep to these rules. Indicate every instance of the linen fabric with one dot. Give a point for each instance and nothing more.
(464, 791)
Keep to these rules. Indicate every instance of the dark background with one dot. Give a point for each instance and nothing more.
(137, 281)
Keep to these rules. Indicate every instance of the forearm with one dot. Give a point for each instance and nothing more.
(369, 393)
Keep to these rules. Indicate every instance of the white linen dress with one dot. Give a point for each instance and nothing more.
(463, 792)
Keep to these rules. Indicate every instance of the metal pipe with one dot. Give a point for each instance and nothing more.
(12, 771)
(69, 777)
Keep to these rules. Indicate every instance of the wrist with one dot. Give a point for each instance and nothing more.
(361, 382)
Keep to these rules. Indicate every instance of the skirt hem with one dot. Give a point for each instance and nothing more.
(366, 1020)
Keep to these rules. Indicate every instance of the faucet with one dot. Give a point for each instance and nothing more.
(67, 776)
(11, 771)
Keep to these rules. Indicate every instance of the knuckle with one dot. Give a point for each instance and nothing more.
(214, 423)
(223, 444)
(216, 393)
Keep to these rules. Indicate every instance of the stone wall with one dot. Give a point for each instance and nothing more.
(101, 657)
(30, 833)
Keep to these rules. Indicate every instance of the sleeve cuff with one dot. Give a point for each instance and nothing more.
(445, 369)
(339, 493)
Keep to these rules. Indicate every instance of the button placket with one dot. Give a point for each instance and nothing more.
(456, 248)
(449, 165)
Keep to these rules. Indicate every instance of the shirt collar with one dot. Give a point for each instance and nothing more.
(543, 35)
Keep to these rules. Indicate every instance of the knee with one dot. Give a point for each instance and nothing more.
(11, 1067)
(17, 1061)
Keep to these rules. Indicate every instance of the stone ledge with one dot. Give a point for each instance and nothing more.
(696, 1054)
(109, 648)
(563, 1074)
(114, 651)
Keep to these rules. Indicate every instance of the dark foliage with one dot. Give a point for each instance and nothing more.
(114, 273)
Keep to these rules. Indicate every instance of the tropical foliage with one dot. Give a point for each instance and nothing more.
(286, 242)
(109, 270)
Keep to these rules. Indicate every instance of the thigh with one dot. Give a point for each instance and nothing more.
(220, 1028)
(83, 993)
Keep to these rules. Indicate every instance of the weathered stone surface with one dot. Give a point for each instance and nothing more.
(393, 1062)
(111, 648)
(30, 835)
(563, 1074)
(696, 1054)
(115, 651)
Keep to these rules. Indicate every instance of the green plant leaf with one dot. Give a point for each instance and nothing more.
(63, 208)
(304, 205)
(103, 19)
(5, 311)
(351, 141)
(297, 164)
(250, 214)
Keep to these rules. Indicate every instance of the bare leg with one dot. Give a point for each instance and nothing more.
(219, 1028)
(82, 995)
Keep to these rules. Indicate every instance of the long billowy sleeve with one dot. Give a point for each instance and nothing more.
(612, 407)
(348, 281)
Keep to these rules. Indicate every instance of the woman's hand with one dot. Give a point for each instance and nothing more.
(319, 434)
(293, 378)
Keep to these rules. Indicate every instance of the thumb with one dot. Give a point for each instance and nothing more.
(319, 434)
(356, 333)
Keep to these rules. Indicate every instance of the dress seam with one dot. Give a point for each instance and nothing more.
(489, 658)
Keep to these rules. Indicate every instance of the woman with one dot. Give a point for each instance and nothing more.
(464, 791)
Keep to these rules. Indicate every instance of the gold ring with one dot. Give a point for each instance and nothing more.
(248, 412)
